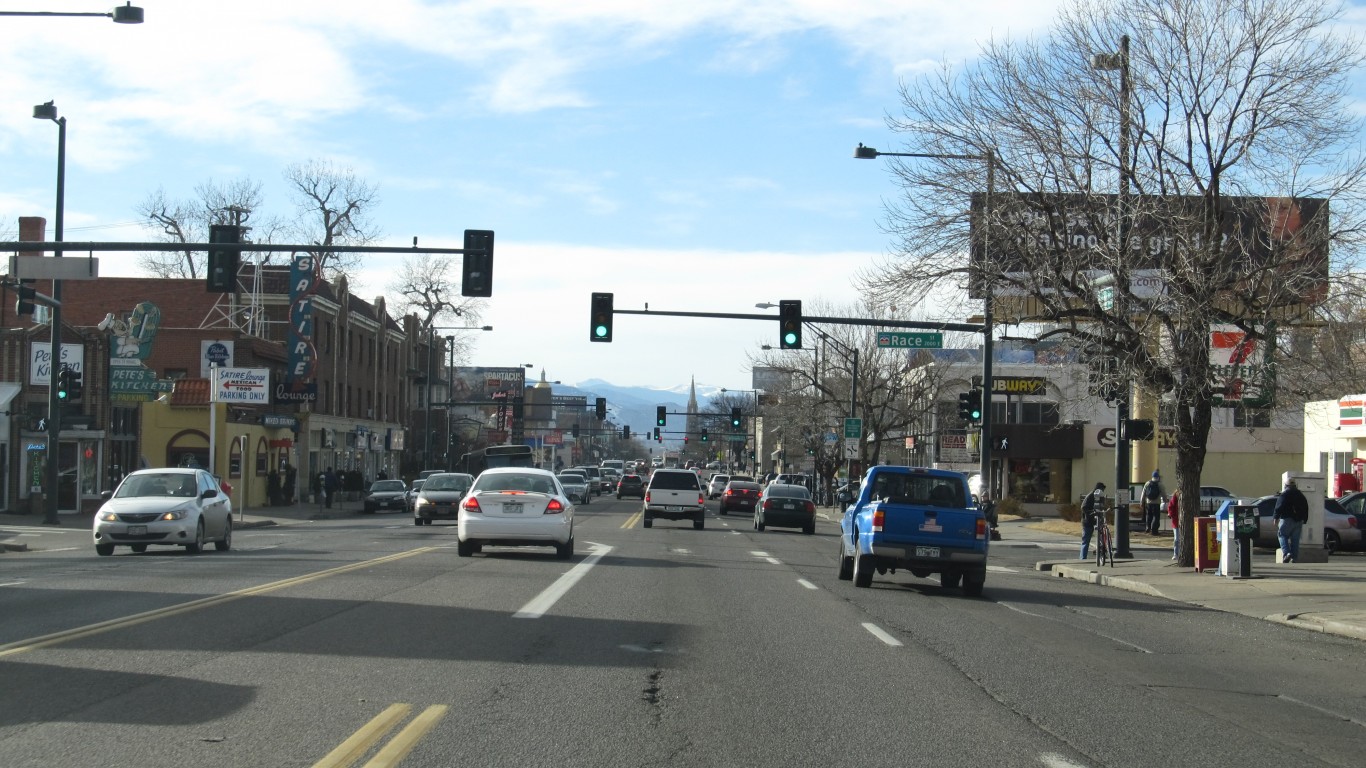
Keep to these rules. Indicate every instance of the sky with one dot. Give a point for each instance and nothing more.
(693, 156)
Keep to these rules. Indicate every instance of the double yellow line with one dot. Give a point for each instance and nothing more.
(370, 734)
(633, 519)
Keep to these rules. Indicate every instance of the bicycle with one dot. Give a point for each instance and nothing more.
(1105, 549)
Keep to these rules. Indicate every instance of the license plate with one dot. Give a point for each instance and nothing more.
(137, 530)
(512, 508)
(927, 551)
(673, 509)
(747, 502)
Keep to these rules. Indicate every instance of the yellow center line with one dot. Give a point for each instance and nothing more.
(362, 740)
(399, 747)
(633, 519)
(77, 633)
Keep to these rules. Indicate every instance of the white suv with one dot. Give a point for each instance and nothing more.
(675, 494)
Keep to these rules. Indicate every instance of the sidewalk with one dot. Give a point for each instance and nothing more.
(1323, 597)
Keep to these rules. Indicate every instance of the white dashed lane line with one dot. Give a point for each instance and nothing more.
(807, 584)
(881, 634)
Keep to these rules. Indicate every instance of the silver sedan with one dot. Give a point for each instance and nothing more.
(174, 506)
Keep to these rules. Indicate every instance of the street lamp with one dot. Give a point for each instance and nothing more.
(1120, 62)
(868, 153)
(54, 413)
(126, 14)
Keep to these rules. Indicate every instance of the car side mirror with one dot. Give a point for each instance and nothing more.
(209, 494)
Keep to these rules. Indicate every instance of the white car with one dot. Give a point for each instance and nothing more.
(517, 507)
(717, 486)
(575, 486)
(173, 506)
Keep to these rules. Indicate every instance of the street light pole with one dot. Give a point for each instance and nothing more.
(126, 14)
(868, 153)
(54, 406)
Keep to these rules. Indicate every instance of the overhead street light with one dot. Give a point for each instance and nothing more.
(124, 14)
(868, 153)
(48, 111)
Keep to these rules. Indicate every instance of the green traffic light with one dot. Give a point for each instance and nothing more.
(600, 331)
(790, 338)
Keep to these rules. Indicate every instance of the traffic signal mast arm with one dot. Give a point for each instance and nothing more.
(922, 325)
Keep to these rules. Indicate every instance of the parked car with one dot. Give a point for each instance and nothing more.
(595, 479)
(410, 496)
(739, 495)
(717, 485)
(386, 494)
(1212, 497)
(1355, 504)
(787, 506)
(176, 506)
(1340, 529)
(575, 486)
(440, 497)
(516, 506)
(631, 485)
(675, 494)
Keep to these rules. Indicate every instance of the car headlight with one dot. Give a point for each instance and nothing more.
(109, 517)
(175, 514)
(421, 502)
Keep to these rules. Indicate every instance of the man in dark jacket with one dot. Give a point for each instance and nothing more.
(1291, 513)
(1093, 505)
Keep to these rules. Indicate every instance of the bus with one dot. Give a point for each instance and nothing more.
(493, 456)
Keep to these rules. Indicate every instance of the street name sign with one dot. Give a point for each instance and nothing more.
(911, 339)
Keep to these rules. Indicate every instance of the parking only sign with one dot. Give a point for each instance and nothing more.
(241, 385)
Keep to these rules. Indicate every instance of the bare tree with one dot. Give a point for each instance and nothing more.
(187, 221)
(427, 286)
(1226, 132)
(333, 209)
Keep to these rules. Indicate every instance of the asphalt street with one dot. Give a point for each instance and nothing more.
(365, 640)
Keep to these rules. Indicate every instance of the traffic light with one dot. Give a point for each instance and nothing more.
(657, 434)
(974, 405)
(789, 324)
(221, 275)
(602, 408)
(736, 419)
(517, 409)
(24, 304)
(685, 439)
(74, 385)
(477, 273)
(965, 406)
(64, 384)
(1136, 429)
(626, 432)
(661, 416)
(704, 434)
(600, 318)
(574, 430)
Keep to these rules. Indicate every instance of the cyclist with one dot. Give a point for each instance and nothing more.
(1092, 506)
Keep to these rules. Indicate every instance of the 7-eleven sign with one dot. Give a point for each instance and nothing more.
(1352, 411)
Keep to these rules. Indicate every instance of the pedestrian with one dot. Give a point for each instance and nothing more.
(1092, 506)
(1153, 499)
(330, 484)
(1290, 514)
(1174, 514)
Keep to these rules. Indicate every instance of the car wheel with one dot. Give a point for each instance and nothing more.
(972, 587)
(759, 523)
(198, 545)
(846, 571)
(105, 550)
(950, 579)
(863, 570)
(464, 548)
(647, 521)
(698, 524)
(135, 548)
(809, 528)
(566, 550)
(417, 521)
(1331, 541)
(224, 544)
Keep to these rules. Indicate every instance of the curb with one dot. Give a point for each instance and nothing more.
(1104, 580)
(7, 546)
(1323, 626)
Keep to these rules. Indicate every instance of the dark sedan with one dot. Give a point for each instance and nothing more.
(440, 497)
(739, 495)
(631, 485)
(785, 505)
(385, 494)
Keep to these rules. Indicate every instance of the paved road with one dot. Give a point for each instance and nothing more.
(666, 646)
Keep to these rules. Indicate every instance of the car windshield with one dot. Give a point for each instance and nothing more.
(447, 483)
(387, 485)
(675, 481)
(794, 491)
(739, 486)
(157, 484)
(508, 481)
(572, 479)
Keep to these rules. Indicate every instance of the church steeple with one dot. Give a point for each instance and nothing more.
(692, 403)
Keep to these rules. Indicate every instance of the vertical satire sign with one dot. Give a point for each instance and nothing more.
(300, 380)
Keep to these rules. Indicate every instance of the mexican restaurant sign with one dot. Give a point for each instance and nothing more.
(240, 385)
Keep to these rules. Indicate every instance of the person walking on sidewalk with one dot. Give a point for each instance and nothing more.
(1092, 506)
(1174, 515)
(330, 484)
(1291, 513)
(1153, 499)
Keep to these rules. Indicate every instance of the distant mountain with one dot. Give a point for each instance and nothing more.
(635, 406)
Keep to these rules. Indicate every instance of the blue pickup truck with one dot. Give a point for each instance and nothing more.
(922, 520)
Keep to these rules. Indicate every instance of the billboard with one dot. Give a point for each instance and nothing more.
(478, 385)
(1241, 368)
(1288, 236)
(771, 379)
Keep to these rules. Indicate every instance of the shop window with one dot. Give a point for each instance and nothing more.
(175, 373)
(1252, 418)
(235, 458)
(262, 457)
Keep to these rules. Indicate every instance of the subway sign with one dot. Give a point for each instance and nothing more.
(1019, 385)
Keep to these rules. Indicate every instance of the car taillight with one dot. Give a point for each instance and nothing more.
(554, 507)
(728, 492)
(701, 500)
(471, 504)
(878, 517)
(647, 497)
(811, 507)
(981, 528)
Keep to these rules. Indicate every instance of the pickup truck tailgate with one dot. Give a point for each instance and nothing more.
(928, 525)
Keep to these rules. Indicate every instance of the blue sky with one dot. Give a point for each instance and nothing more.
(693, 155)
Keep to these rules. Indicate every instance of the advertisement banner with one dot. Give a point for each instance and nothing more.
(476, 384)
(240, 385)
